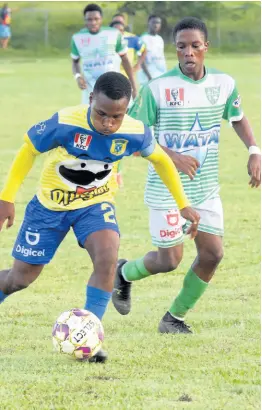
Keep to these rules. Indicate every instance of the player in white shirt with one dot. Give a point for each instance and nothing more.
(155, 62)
(97, 47)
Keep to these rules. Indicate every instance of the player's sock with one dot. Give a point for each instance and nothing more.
(97, 300)
(2, 296)
(193, 289)
(135, 270)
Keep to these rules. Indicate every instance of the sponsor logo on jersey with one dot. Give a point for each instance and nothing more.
(212, 94)
(166, 233)
(172, 218)
(237, 102)
(29, 251)
(82, 141)
(32, 238)
(40, 127)
(67, 197)
(174, 97)
(118, 147)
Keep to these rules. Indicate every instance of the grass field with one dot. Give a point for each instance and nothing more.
(216, 368)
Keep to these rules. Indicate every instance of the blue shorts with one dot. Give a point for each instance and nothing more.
(5, 31)
(43, 230)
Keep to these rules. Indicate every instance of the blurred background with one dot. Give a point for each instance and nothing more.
(234, 26)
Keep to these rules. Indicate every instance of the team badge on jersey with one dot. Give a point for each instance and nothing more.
(212, 94)
(118, 146)
(172, 218)
(174, 97)
(237, 102)
(82, 141)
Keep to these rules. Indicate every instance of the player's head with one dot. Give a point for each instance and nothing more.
(154, 24)
(93, 17)
(109, 101)
(119, 17)
(118, 25)
(191, 41)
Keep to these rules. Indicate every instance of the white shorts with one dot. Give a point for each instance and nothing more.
(167, 226)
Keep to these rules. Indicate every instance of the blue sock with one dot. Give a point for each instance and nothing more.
(2, 296)
(97, 301)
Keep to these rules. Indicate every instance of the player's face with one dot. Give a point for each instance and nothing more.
(119, 27)
(119, 18)
(93, 20)
(106, 114)
(191, 48)
(154, 25)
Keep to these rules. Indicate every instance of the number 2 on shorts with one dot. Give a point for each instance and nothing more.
(109, 216)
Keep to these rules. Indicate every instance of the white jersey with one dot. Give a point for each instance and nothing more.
(186, 116)
(98, 52)
(155, 57)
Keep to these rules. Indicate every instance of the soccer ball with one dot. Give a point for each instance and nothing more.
(78, 333)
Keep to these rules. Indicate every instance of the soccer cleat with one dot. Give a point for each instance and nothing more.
(169, 324)
(100, 357)
(121, 294)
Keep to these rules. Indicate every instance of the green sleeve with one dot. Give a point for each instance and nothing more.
(233, 110)
(121, 45)
(144, 107)
(74, 50)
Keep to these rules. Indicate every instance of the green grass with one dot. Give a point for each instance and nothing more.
(217, 367)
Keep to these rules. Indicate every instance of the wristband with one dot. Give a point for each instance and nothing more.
(254, 150)
(77, 75)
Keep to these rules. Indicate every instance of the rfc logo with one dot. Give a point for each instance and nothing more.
(118, 147)
(82, 141)
(174, 97)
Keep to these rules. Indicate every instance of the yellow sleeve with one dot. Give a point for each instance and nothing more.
(22, 164)
(167, 171)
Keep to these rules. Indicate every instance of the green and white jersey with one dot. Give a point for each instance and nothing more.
(98, 51)
(187, 116)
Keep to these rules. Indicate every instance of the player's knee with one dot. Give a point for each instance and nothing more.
(211, 257)
(105, 262)
(169, 262)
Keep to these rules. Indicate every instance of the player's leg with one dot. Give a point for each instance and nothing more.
(97, 231)
(209, 254)
(167, 234)
(40, 235)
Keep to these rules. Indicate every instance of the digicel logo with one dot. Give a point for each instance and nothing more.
(165, 233)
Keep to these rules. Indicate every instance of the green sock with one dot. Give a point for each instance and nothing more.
(135, 270)
(193, 289)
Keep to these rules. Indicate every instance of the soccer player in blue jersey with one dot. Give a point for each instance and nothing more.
(77, 188)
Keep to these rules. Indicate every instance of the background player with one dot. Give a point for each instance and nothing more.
(186, 106)
(98, 47)
(155, 57)
(77, 189)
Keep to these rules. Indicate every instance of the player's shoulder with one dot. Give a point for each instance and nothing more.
(81, 32)
(75, 116)
(108, 29)
(157, 81)
(131, 126)
(221, 75)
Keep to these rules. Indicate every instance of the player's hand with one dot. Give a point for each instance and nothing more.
(134, 93)
(185, 163)
(7, 212)
(81, 82)
(254, 170)
(191, 215)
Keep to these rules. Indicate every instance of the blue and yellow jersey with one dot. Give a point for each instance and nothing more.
(135, 48)
(79, 168)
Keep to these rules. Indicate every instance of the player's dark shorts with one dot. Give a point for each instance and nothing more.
(43, 230)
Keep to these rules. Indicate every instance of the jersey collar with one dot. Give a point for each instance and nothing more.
(189, 80)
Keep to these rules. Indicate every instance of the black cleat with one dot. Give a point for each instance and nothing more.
(100, 357)
(121, 294)
(169, 324)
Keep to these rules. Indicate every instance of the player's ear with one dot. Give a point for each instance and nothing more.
(91, 97)
(206, 46)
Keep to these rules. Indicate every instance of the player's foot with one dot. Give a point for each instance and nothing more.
(169, 324)
(121, 294)
(100, 357)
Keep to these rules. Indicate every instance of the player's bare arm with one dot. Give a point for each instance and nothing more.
(245, 133)
(7, 213)
(129, 71)
(77, 74)
(140, 61)
(184, 163)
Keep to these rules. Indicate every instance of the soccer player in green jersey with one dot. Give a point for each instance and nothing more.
(98, 48)
(186, 106)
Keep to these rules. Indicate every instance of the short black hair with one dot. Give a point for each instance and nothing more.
(92, 7)
(153, 16)
(191, 23)
(116, 22)
(114, 85)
